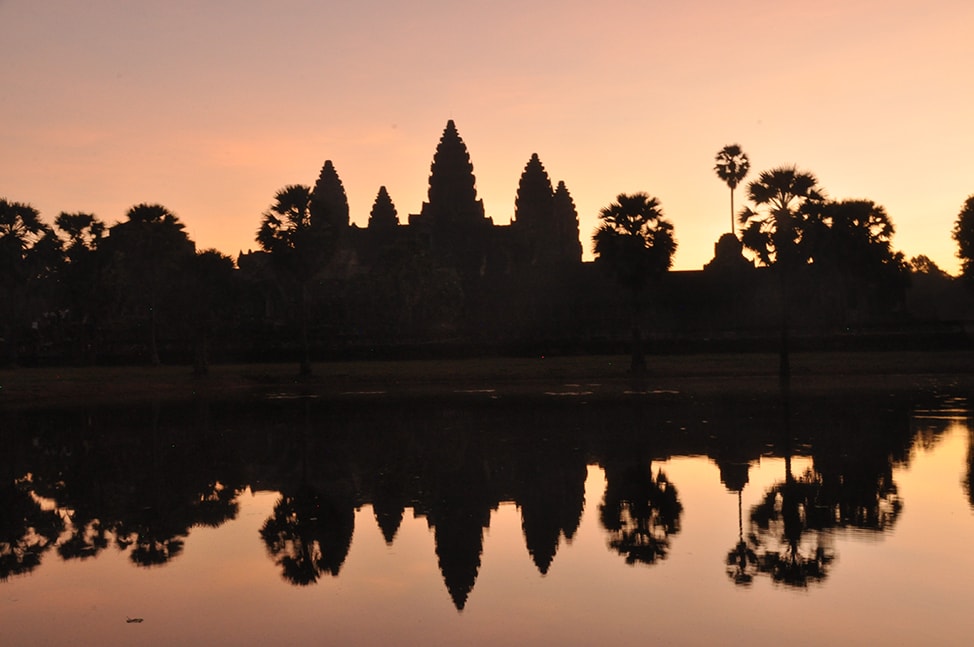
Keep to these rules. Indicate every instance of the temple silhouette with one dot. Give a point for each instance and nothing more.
(451, 275)
(452, 224)
(445, 281)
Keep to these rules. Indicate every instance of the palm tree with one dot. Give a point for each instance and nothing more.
(150, 250)
(210, 297)
(731, 166)
(777, 232)
(82, 278)
(782, 231)
(635, 243)
(300, 246)
(963, 235)
(857, 256)
(29, 254)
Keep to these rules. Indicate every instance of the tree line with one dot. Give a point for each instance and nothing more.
(82, 285)
(790, 227)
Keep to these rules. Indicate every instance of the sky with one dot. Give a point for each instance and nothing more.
(209, 108)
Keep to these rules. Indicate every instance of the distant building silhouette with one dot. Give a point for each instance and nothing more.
(452, 224)
(450, 273)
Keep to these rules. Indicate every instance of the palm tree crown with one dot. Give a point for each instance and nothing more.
(634, 240)
(780, 229)
(732, 166)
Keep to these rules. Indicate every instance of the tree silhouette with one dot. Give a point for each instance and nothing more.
(81, 279)
(27, 530)
(309, 534)
(731, 166)
(781, 233)
(810, 506)
(963, 235)
(777, 232)
(923, 264)
(734, 467)
(84, 231)
(300, 246)
(855, 251)
(640, 513)
(781, 519)
(148, 252)
(210, 291)
(635, 243)
(29, 254)
(741, 560)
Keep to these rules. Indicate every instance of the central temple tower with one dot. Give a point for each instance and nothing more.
(453, 219)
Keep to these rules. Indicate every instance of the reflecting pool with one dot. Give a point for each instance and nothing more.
(798, 519)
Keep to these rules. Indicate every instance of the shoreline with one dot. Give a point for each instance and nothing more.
(595, 377)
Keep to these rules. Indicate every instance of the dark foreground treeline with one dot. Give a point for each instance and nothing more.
(139, 292)
(138, 478)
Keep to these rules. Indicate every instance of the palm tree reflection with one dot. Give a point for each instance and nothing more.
(308, 535)
(741, 560)
(788, 511)
(640, 511)
(27, 530)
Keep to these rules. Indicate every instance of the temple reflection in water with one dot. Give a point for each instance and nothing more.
(78, 484)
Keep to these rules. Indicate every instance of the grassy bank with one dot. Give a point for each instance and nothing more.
(30, 387)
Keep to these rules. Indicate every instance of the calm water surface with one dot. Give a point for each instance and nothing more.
(664, 519)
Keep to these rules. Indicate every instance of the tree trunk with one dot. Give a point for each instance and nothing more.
(637, 364)
(305, 365)
(784, 358)
(153, 336)
(733, 232)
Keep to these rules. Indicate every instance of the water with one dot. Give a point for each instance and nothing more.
(665, 519)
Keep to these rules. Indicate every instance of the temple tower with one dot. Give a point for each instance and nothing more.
(453, 218)
(545, 225)
(329, 202)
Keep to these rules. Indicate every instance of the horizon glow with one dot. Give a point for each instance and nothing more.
(210, 109)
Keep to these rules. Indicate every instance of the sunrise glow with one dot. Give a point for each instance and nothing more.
(211, 108)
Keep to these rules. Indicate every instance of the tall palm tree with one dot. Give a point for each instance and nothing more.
(300, 246)
(81, 278)
(636, 244)
(29, 254)
(777, 231)
(732, 166)
(781, 232)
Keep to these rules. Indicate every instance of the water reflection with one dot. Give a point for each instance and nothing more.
(139, 479)
(850, 485)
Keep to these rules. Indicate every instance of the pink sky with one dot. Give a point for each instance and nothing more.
(210, 108)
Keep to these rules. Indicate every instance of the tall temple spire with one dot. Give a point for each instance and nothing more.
(545, 225)
(566, 238)
(328, 197)
(383, 215)
(532, 206)
(453, 219)
(452, 186)
(532, 213)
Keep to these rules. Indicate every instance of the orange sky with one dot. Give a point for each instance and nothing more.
(210, 108)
